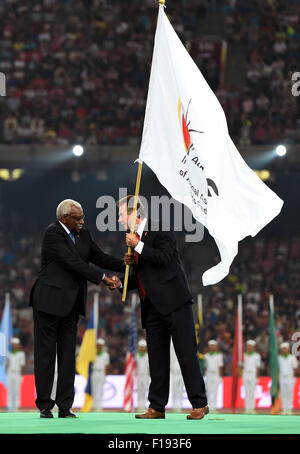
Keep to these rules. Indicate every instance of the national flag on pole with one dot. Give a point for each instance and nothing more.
(87, 355)
(130, 367)
(238, 353)
(200, 334)
(6, 333)
(187, 145)
(274, 365)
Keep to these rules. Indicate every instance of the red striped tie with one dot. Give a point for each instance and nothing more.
(142, 291)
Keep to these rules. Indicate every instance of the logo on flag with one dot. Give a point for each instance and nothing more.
(189, 146)
(185, 123)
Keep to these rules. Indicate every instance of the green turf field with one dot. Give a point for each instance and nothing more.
(125, 423)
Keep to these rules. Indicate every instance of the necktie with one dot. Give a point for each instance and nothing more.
(72, 237)
(142, 291)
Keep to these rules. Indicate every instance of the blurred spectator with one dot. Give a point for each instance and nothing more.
(81, 73)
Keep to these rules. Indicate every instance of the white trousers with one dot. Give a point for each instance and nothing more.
(250, 385)
(177, 386)
(286, 391)
(13, 390)
(97, 384)
(142, 389)
(212, 383)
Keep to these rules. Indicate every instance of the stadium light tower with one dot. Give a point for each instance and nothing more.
(78, 150)
(281, 150)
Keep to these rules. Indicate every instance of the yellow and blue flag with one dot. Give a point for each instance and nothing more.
(86, 357)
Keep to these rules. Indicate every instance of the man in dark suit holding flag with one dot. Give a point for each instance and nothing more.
(58, 297)
(166, 310)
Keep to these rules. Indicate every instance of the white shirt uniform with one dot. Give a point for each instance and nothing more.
(142, 372)
(15, 362)
(252, 361)
(212, 363)
(98, 378)
(177, 385)
(287, 366)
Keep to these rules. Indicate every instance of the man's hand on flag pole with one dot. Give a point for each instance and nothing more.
(131, 240)
(128, 259)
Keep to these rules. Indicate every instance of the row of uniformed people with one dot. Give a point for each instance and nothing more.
(213, 371)
(250, 371)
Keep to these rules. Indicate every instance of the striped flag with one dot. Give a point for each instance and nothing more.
(87, 355)
(238, 352)
(6, 333)
(274, 366)
(130, 367)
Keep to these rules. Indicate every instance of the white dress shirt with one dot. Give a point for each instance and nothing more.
(140, 230)
(65, 227)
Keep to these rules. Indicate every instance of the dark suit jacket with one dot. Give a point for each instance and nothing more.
(65, 270)
(161, 271)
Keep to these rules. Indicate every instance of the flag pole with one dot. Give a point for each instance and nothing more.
(274, 367)
(137, 190)
(240, 360)
(199, 333)
(96, 312)
(200, 308)
(6, 321)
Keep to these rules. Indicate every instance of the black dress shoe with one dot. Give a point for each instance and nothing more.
(46, 413)
(66, 413)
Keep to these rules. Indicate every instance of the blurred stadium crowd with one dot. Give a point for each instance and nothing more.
(77, 70)
(266, 113)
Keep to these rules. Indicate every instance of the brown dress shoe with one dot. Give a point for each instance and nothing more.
(198, 413)
(151, 414)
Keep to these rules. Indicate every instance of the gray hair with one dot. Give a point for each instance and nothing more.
(65, 206)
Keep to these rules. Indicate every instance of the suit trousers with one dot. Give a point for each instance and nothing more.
(178, 325)
(55, 335)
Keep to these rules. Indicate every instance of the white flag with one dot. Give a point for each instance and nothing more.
(187, 145)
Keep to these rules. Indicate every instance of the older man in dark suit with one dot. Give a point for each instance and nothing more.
(58, 297)
(166, 310)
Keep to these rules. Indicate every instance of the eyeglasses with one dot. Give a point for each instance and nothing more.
(77, 218)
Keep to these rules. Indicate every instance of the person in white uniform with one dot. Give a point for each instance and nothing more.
(177, 385)
(213, 369)
(99, 370)
(251, 372)
(15, 366)
(142, 372)
(288, 367)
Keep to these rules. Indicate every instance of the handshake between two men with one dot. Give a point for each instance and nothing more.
(114, 282)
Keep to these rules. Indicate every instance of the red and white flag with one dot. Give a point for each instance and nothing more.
(130, 368)
(238, 353)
